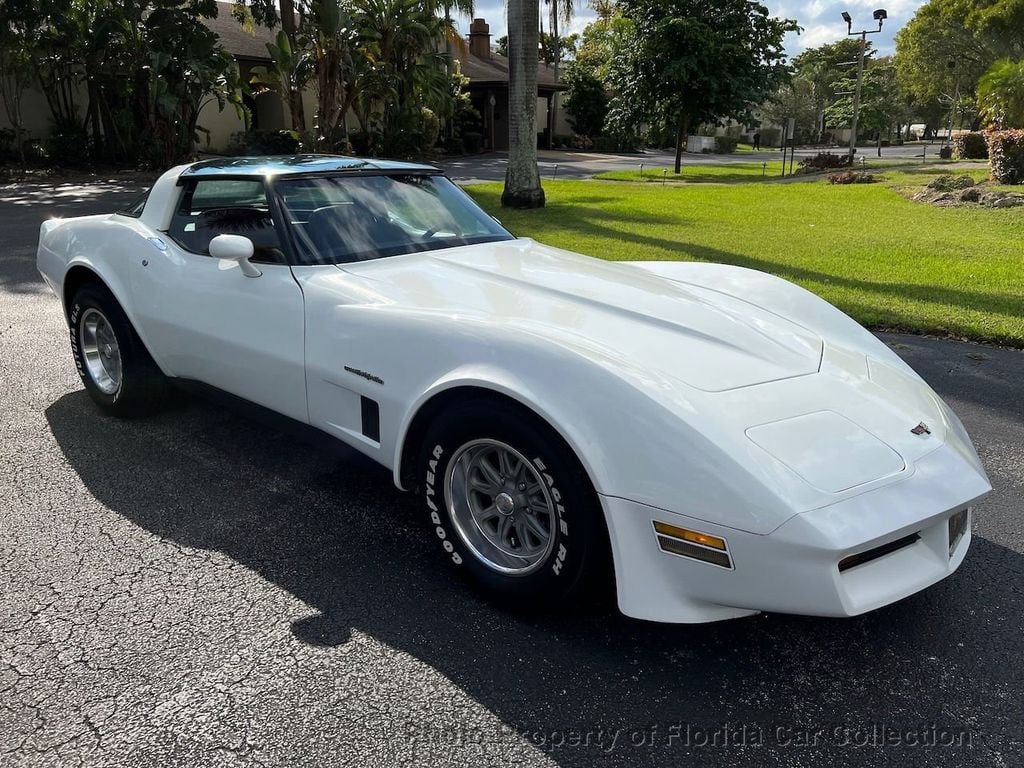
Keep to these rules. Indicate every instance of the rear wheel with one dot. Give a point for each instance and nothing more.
(114, 366)
(511, 505)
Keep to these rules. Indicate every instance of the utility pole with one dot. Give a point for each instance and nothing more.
(880, 16)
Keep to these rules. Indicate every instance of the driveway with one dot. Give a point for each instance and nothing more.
(203, 589)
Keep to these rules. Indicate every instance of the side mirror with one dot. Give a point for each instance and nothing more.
(235, 248)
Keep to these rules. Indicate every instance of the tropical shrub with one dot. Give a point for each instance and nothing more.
(264, 142)
(586, 102)
(725, 145)
(67, 145)
(1001, 94)
(823, 161)
(950, 183)
(474, 142)
(970, 146)
(7, 143)
(1006, 156)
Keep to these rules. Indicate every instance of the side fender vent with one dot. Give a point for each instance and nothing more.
(370, 412)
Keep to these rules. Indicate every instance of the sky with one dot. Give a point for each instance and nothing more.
(820, 19)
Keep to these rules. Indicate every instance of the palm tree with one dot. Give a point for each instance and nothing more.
(1001, 94)
(522, 179)
(451, 39)
(563, 12)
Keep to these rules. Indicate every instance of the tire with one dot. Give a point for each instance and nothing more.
(117, 371)
(467, 521)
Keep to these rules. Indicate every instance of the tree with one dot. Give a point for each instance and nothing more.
(568, 45)
(1001, 94)
(822, 68)
(881, 105)
(18, 24)
(601, 40)
(560, 11)
(585, 101)
(691, 62)
(287, 75)
(265, 13)
(796, 100)
(548, 43)
(522, 178)
(942, 53)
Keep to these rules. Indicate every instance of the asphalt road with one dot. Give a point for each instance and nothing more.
(201, 589)
(580, 165)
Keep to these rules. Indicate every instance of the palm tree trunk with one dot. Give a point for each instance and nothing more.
(522, 178)
(295, 105)
(553, 112)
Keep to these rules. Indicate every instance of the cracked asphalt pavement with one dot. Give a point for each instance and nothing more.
(205, 589)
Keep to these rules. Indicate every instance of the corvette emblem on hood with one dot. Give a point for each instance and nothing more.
(922, 429)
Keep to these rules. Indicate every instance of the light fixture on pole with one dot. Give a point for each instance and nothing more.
(880, 16)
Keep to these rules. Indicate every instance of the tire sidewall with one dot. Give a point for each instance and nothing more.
(567, 486)
(93, 298)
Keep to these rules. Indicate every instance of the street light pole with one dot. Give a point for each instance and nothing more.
(880, 16)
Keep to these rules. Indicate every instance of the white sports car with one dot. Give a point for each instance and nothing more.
(724, 440)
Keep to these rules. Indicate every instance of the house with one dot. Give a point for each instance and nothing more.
(488, 87)
(486, 70)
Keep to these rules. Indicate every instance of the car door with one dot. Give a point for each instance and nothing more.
(207, 320)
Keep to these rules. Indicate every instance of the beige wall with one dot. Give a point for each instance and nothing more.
(219, 125)
(35, 112)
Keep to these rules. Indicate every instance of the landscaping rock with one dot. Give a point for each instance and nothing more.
(1007, 201)
(950, 183)
(967, 194)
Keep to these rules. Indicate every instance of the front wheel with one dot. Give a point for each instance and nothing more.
(112, 361)
(511, 505)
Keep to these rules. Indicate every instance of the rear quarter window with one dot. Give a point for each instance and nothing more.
(137, 206)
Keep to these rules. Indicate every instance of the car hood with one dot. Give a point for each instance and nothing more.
(703, 338)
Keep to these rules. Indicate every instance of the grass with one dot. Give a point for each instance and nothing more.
(885, 260)
(744, 172)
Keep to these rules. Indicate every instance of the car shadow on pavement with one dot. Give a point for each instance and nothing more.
(328, 527)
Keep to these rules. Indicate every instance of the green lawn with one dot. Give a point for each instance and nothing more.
(735, 173)
(885, 260)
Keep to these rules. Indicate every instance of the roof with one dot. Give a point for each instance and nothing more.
(282, 164)
(494, 71)
(239, 42)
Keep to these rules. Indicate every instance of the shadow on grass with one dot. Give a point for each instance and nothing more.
(1003, 304)
(330, 530)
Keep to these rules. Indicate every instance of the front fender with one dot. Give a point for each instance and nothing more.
(104, 245)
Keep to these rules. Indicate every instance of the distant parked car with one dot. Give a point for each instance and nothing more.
(723, 440)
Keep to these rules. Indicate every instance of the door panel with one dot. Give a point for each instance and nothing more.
(213, 324)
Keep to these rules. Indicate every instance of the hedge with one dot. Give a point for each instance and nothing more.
(725, 145)
(970, 146)
(1006, 156)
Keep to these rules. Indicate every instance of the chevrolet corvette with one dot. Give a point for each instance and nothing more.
(717, 440)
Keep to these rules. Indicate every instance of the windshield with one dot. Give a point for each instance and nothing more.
(344, 218)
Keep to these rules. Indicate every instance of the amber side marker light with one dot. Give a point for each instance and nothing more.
(692, 544)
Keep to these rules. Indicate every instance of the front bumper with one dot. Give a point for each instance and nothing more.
(795, 568)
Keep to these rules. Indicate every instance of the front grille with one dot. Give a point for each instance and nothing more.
(880, 551)
(957, 529)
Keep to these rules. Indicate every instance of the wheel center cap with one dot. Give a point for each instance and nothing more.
(504, 503)
(106, 350)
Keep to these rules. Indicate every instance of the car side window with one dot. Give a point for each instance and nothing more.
(211, 207)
